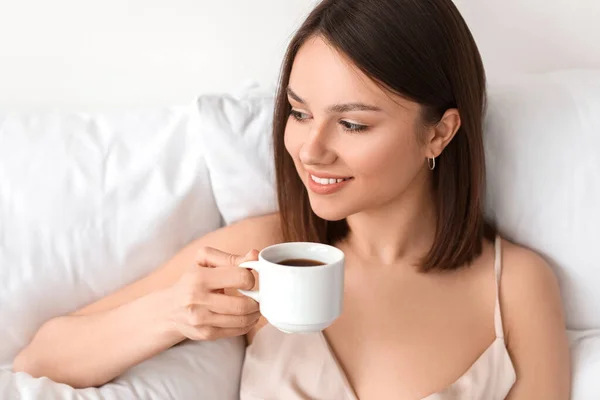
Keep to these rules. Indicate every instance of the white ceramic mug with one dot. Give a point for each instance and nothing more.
(298, 299)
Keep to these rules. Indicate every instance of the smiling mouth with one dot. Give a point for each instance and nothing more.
(327, 181)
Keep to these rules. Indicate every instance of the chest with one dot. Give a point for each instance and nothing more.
(408, 337)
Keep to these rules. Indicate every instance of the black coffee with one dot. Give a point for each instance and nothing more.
(301, 262)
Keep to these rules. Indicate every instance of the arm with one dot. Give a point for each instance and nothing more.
(99, 342)
(535, 329)
(84, 350)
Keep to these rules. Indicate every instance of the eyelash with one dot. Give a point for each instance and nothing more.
(355, 128)
(347, 126)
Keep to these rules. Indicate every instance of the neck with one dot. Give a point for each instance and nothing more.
(401, 231)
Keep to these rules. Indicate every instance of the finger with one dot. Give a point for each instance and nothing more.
(232, 321)
(231, 305)
(221, 333)
(252, 255)
(229, 278)
(211, 257)
(212, 333)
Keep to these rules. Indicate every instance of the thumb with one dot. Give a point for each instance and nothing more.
(252, 255)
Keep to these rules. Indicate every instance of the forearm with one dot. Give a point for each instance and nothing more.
(90, 350)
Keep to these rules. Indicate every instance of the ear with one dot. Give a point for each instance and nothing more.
(442, 133)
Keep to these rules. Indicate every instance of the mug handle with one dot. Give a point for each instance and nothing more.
(253, 294)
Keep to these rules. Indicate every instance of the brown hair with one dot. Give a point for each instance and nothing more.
(423, 51)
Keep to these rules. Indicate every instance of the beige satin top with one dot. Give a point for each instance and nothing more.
(302, 366)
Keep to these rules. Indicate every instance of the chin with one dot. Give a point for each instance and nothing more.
(328, 210)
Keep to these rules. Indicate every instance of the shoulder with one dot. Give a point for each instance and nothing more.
(530, 294)
(534, 327)
(247, 234)
(524, 270)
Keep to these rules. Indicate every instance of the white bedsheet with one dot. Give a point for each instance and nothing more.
(189, 371)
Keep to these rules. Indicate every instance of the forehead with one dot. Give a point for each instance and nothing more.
(323, 76)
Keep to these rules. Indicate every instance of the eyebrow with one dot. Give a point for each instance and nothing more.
(337, 108)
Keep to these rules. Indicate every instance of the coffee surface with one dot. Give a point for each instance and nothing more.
(301, 262)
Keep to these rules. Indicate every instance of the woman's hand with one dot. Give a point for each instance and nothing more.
(201, 308)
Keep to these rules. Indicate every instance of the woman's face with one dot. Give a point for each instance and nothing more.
(346, 129)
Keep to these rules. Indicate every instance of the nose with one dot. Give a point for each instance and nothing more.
(316, 150)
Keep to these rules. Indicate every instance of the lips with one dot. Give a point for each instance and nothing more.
(326, 184)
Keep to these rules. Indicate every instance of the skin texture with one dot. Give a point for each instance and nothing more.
(403, 334)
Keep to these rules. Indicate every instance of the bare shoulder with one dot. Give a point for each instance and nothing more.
(525, 272)
(534, 327)
(248, 234)
(528, 283)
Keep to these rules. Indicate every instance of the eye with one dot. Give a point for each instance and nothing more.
(299, 116)
(352, 127)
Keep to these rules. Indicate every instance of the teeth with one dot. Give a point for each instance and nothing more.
(326, 181)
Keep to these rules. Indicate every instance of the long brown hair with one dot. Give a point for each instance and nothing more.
(423, 51)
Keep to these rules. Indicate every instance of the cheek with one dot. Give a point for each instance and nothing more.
(385, 156)
(386, 165)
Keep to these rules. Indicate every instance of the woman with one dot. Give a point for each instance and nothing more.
(378, 151)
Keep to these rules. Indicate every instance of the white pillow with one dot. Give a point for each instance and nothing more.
(90, 202)
(236, 133)
(585, 353)
(542, 145)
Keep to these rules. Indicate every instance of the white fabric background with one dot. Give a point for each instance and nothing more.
(68, 53)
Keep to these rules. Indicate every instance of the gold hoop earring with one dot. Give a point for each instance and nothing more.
(431, 163)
